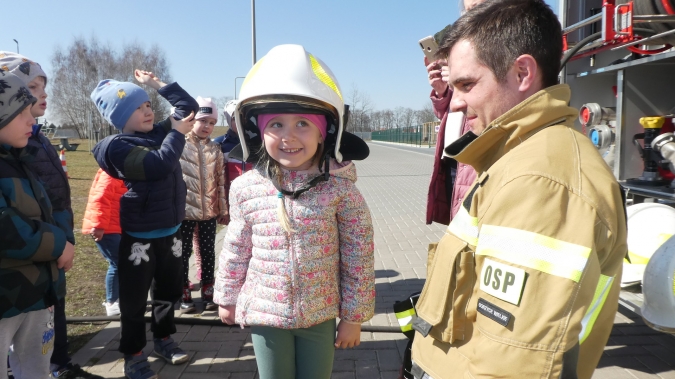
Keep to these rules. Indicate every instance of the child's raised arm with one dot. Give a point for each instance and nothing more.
(145, 163)
(148, 78)
(172, 92)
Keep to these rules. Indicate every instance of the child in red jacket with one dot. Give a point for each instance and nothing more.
(102, 222)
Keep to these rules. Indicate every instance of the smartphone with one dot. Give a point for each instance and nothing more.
(430, 47)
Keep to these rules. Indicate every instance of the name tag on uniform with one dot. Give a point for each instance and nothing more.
(502, 281)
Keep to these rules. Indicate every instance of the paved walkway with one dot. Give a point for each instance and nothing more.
(394, 180)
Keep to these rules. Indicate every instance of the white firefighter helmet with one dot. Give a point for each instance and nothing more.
(290, 80)
(649, 226)
(658, 289)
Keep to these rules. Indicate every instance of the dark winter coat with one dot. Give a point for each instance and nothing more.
(47, 166)
(30, 242)
(227, 141)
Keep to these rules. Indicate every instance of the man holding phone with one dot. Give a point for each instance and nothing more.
(450, 180)
(524, 282)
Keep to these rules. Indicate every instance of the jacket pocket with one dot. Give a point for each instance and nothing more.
(537, 320)
(441, 309)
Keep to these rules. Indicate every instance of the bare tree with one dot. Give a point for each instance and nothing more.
(360, 107)
(220, 103)
(79, 68)
(425, 114)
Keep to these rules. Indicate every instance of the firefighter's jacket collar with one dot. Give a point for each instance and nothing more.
(545, 108)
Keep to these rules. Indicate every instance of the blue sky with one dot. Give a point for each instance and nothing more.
(371, 44)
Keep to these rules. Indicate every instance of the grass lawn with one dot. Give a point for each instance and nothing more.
(219, 131)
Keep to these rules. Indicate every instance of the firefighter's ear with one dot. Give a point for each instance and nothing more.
(525, 74)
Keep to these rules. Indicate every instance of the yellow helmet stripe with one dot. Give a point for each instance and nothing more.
(251, 73)
(323, 75)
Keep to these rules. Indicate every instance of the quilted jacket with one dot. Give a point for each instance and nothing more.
(203, 168)
(103, 206)
(31, 240)
(322, 271)
(47, 166)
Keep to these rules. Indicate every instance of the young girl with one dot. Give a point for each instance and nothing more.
(299, 248)
(102, 222)
(203, 168)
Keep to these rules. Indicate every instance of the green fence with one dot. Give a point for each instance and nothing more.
(417, 135)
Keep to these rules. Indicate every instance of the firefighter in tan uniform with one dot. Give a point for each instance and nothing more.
(525, 282)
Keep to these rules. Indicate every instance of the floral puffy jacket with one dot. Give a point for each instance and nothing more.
(325, 269)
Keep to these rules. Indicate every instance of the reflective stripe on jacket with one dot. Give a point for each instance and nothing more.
(537, 251)
(203, 168)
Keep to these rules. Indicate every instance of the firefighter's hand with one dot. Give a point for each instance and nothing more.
(348, 335)
(226, 313)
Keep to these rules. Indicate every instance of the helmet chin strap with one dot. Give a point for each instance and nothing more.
(323, 177)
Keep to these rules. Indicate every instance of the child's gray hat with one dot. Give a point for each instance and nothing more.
(14, 97)
(24, 68)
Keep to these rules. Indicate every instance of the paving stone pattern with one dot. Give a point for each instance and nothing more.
(394, 181)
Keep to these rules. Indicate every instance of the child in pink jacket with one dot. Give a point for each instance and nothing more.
(299, 247)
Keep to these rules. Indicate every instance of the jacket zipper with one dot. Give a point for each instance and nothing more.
(202, 182)
(293, 262)
(293, 271)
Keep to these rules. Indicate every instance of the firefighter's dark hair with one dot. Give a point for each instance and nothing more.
(502, 30)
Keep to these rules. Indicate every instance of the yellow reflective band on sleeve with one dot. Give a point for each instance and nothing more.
(323, 75)
(536, 251)
(409, 312)
(405, 319)
(464, 226)
(601, 292)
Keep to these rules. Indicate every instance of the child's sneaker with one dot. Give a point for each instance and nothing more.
(169, 350)
(207, 297)
(186, 303)
(71, 371)
(112, 309)
(138, 367)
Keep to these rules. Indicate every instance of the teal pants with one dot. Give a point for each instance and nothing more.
(294, 353)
